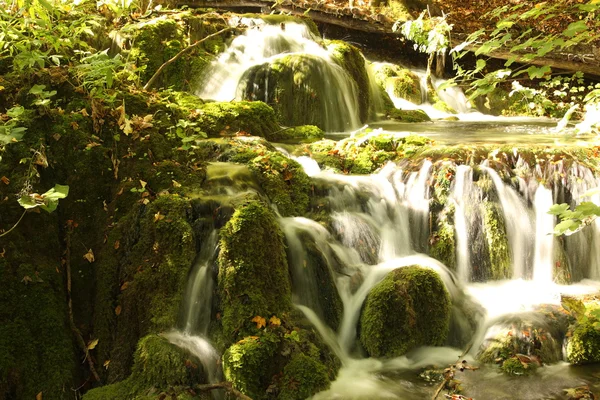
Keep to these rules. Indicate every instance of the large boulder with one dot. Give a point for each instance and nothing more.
(409, 308)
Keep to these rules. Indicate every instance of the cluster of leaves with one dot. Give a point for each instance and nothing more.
(430, 34)
(514, 33)
(574, 220)
(582, 312)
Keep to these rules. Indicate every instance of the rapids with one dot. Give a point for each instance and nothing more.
(382, 221)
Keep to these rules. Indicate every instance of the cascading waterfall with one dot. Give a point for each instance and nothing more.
(462, 198)
(197, 313)
(270, 61)
(544, 239)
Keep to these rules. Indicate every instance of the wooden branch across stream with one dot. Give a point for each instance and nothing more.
(353, 18)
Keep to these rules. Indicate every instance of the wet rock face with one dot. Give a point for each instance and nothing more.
(409, 308)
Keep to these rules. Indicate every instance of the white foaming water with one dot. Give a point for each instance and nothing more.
(460, 195)
(264, 44)
(544, 238)
(519, 227)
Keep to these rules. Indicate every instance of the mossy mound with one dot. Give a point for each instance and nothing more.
(399, 82)
(278, 363)
(494, 231)
(583, 339)
(409, 115)
(409, 308)
(158, 366)
(298, 134)
(299, 88)
(537, 335)
(236, 118)
(253, 274)
(364, 153)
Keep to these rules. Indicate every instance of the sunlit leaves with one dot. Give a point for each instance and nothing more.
(573, 220)
(47, 201)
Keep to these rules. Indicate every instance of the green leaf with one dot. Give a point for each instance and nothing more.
(565, 226)
(37, 89)
(27, 202)
(47, 201)
(15, 112)
(588, 208)
(558, 209)
(573, 305)
(538, 72)
(574, 28)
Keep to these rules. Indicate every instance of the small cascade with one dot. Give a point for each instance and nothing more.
(462, 200)
(415, 195)
(285, 66)
(519, 230)
(544, 238)
(199, 290)
(197, 313)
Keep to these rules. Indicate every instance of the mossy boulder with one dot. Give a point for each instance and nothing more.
(409, 115)
(234, 118)
(398, 81)
(298, 134)
(278, 364)
(583, 340)
(158, 366)
(409, 308)
(442, 242)
(366, 152)
(253, 271)
(303, 89)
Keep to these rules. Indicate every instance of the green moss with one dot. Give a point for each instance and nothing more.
(443, 107)
(409, 115)
(513, 366)
(583, 342)
(247, 363)
(158, 365)
(303, 376)
(298, 134)
(497, 242)
(442, 241)
(144, 275)
(231, 118)
(409, 308)
(406, 86)
(253, 275)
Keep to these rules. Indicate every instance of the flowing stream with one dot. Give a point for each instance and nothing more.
(382, 222)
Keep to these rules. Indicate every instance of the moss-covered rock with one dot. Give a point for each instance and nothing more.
(583, 339)
(158, 366)
(442, 245)
(409, 115)
(298, 134)
(364, 153)
(497, 242)
(303, 376)
(253, 274)
(304, 89)
(235, 118)
(408, 309)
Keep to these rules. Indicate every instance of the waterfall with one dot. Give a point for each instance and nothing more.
(544, 238)
(519, 230)
(286, 67)
(464, 179)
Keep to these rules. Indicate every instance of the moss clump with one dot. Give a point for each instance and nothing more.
(364, 153)
(298, 134)
(303, 376)
(253, 274)
(409, 115)
(583, 339)
(442, 106)
(513, 366)
(495, 234)
(409, 308)
(442, 241)
(406, 86)
(299, 88)
(234, 118)
(158, 365)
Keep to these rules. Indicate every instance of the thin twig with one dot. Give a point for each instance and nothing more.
(14, 226)
(182, 52)
(223, 385)
(448, 377)
(74, 328)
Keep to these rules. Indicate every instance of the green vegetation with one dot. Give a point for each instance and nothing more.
(408, 309)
